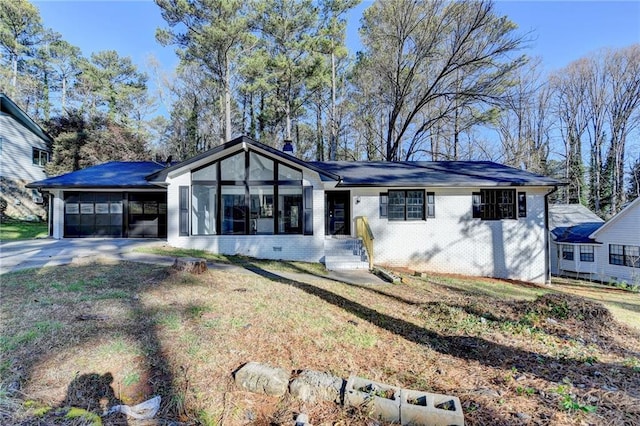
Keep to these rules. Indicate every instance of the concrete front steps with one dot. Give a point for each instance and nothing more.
(345, 254)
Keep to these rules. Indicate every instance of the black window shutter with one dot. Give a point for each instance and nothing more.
(384, 204)
(522, 204)
(431, 204)
(184, 210)
(477, 204)
(308, 210)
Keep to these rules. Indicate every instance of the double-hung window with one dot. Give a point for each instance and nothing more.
(405, 205)
(567, 252)
(586, 254)
(40, 157)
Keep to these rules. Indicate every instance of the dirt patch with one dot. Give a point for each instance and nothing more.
(563, 306)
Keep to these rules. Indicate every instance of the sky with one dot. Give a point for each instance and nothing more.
(562, 31)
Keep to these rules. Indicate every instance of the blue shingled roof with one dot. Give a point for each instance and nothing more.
(431, 173)
(115, 174)
(576, 234)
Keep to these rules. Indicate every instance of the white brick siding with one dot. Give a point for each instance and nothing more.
(455, 242)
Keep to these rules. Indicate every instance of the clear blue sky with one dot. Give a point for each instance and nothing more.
(562, 31)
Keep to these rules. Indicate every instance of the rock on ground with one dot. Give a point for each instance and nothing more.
(312, 386)
(261, 378)
(190, 264)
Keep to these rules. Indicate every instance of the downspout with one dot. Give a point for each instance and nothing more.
(547, 243)
(50, 215)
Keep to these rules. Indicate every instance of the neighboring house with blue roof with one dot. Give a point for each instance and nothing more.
(573, 252)
(584, 245)
(25, 148)
(243, 197)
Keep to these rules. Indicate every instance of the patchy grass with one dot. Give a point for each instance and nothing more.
(514, 353)
(183, 252)
(305, 267)
(12, 229)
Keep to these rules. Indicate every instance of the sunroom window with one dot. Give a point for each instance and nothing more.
(246, 194)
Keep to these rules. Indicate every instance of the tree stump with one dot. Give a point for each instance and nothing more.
(192, 265)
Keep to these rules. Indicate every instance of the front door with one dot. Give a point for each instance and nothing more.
(337, 213)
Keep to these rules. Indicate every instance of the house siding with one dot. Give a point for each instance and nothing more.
(624, 230)
(560, 266)
(17, 168)
(455, 242)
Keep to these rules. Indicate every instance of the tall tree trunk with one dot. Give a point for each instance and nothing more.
(227, 103)
(333, 143)
(287, 111)
(319, 135)
(63, 101)
(14, 76)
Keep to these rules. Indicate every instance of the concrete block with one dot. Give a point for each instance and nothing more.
(382, 401)
(423, 408)
(387, 276)
(261, 378)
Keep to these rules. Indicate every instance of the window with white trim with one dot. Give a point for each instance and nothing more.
(586, 254)
(40, 157)
(567, 252)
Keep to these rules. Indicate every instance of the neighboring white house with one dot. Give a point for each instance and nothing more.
(619, 250)
(243, 197)
(24, 150)
(585, 246)
(573, 252)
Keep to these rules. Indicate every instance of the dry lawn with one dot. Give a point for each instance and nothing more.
(92, 336)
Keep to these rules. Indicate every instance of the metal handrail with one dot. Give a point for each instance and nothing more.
(363, 230)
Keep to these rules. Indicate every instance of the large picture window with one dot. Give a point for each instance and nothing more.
(494, 204)
(248, 194)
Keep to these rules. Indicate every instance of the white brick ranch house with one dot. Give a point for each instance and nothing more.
(243, 197)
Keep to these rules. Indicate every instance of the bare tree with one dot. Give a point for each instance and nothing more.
(571, 110)
(623, 71)
(437, 52)
(524, 123)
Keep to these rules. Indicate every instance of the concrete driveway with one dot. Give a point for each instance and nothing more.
(23, 254)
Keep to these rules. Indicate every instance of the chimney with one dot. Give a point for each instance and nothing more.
(288, 147)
